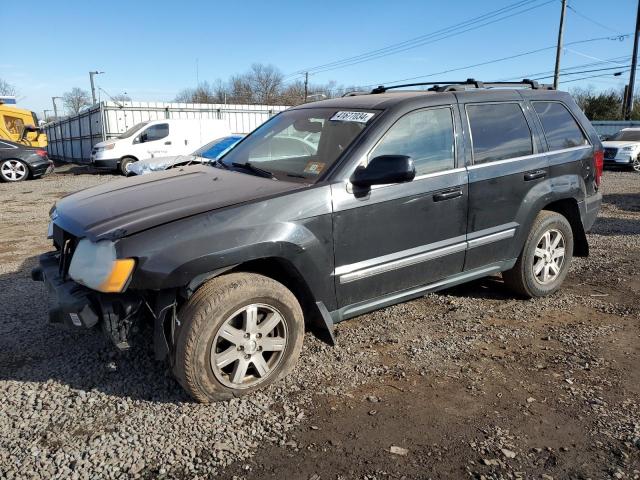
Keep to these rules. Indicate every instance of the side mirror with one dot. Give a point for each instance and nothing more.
(383, 170)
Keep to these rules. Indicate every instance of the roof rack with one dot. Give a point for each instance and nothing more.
(465, 85)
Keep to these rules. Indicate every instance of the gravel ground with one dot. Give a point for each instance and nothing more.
(469, 382)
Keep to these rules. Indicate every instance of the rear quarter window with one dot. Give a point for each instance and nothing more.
(560, 128)
(499, 131)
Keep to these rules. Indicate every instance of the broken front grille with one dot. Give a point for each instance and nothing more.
(66, 244)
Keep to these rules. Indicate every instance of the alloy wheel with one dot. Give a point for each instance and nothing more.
(249, 346)
(13, 170)
(548, 257)
(636, 164)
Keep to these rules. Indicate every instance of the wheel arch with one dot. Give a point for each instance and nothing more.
(285, 272)
(135, 159)
(568, 208)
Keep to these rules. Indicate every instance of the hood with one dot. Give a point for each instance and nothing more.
(106, 142)
(124, 207)
(619, 144)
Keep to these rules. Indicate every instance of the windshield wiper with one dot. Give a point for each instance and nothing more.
(257, 170)
(219, 163)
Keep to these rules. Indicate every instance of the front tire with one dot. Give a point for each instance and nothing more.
(544, 261)
(635, 165)
(125, 162)
(13, 170)
(238, 333)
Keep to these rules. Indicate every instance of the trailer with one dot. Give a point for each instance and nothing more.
(72, 138)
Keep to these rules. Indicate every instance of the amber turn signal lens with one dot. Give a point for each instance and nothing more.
(119, 276)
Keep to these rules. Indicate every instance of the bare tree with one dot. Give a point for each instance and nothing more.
(262, 84)
(265, 82)
(75, 99)
(203, 93)
(122, 97)
(6, 88)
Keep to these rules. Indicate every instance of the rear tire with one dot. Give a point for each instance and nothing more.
(124, 165)
(238, 333)
(13, 170)
(544, 261)
(635, 165)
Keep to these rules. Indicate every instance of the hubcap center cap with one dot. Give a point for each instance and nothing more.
(251, 346)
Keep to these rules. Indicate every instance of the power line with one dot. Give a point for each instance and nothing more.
(589, 19)
(616, 74)
(438, 35)
(586, 71)
(583, 65)
(489, 62)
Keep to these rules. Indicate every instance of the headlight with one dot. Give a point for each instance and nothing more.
(628, 149)
(109, 146)
(95, 265)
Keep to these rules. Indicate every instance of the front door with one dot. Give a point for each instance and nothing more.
(404, 235)
(154, 141)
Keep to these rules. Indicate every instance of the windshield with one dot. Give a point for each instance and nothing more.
(300, 143)
(133, 130)
(627, 136)
(218, 147)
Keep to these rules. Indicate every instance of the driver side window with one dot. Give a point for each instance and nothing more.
(424, 135)
(154, 132)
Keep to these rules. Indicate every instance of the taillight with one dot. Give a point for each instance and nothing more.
(598, 158)
(41, 153)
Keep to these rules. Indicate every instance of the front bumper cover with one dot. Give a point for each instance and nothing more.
(79, 308)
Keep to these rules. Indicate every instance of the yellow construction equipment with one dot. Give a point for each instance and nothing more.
(21, 126)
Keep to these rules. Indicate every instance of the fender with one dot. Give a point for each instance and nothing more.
(564, 187)
(175, 254)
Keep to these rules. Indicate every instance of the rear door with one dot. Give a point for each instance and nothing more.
(404, 235)
(507, 165)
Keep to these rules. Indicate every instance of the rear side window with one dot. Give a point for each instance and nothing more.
(499, 131)
(426, 136)
(560, 128)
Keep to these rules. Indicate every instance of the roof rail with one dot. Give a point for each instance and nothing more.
(355, 93)
(465, 85)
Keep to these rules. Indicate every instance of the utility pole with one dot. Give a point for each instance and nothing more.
(624, 101)
(55, 109)
(45, 114)
(634, 63)
(556, 75)
(93, 87)
(306, 84)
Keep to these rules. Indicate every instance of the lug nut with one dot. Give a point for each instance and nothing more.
(246, 335)
(258, 335)
(259, 348)
(240, 348)
(247, 357)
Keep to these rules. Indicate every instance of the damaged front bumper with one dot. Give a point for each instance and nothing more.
(79, 308)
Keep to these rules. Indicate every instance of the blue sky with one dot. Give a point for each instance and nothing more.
(150, 49)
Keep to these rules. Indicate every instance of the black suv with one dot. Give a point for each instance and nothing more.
(328, 210)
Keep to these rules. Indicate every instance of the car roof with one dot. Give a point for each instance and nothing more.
(383, 101)
(17, 145)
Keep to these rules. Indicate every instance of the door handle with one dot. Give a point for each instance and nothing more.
(168, 142)
(447, 195)
(534, 175)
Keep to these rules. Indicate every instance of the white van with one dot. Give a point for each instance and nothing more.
(156, 138)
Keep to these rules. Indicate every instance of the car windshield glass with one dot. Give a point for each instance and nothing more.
(133, 130)
(215, 149)
(627, 136)
(300, 144)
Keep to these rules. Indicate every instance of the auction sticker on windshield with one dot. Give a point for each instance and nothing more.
(360, 117)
